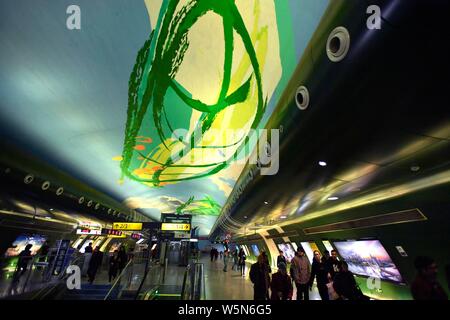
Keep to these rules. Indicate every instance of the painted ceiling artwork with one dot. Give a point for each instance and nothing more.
(151, 101)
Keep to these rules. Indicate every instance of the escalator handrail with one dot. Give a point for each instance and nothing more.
(118, 279)
(185, 277)
(60, 279)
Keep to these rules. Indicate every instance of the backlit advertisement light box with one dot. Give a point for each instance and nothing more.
(308, 250)
(21, 242)
(369, 258)
(288, 251)
(255, 250)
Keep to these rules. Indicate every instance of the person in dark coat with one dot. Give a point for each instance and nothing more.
(332, 264)
(113, 265)
(241, 262)
(344, 284)
(94, 264)
(88, 249)
(281, 259)
(281, 284)
(123, 258)
(320, 273)
(425, 286)
(259, 275)
(22, 264)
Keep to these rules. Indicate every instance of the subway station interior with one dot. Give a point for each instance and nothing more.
(224, 150)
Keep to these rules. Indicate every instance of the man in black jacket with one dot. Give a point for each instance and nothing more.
(259, 275)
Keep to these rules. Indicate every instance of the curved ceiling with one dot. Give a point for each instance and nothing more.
(104, 103)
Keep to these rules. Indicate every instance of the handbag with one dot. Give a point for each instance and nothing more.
(332, 294)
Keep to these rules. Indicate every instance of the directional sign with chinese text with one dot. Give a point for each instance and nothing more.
(127, 226)
(175, 227)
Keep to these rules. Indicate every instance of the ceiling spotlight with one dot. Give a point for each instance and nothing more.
(283, 217)
(51, 209)
(265, 202)
(332, 198)
(415, 168)
(245, 217)
(322, 163)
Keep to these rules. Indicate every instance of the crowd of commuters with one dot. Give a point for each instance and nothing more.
(332, 276)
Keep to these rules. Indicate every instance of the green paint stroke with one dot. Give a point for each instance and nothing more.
(149, 89)
(205, 207)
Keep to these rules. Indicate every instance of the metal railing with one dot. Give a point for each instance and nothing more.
(28, 274)
(119, 278)
(193, 287)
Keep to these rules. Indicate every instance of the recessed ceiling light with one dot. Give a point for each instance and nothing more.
(322, 163)
(265, 202)
(51, 209)
(333, 198)
(283, 217)
(245, 217)
(415, 168)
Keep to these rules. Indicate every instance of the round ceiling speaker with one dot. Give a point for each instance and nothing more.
(45, 185)
(338, 44)
(302, 97)
(28, 179)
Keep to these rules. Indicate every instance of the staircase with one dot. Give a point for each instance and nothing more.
(92, 292)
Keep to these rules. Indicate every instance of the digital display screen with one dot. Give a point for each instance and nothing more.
(368, 258)
(255, 250)
(288, 251)
(21, 241)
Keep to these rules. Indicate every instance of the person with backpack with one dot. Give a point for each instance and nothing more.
(259, 276)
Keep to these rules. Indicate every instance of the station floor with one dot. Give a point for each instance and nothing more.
(230, 285)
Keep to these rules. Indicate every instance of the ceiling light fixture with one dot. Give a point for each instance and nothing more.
(322, 163)
(333, 198)
(265, 202)
(283, 217)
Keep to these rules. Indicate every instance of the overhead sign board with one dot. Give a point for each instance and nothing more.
(175, 218)
(112, 232)
(132, 226)
(175, 227)
(123, 235)
(88, 231)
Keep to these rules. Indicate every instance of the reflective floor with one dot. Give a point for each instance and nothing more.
(231, 285)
